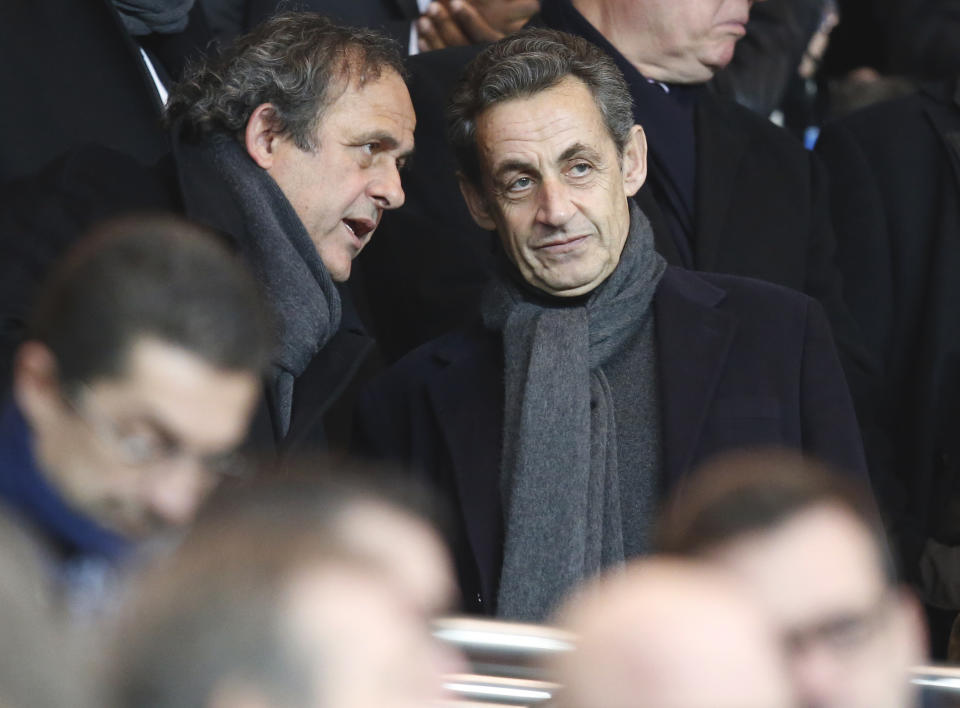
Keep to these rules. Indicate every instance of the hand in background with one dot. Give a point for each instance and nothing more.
(451, 23)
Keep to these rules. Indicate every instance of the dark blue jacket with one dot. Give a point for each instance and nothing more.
(741, 363)
(76, 542)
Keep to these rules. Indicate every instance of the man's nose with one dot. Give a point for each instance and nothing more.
(385, 187)
(555, 207)
(816, 675)
(174, 494)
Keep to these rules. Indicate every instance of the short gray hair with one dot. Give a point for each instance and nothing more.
(522, 65)
(295, 61)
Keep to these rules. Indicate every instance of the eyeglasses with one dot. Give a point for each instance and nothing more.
(150, 447)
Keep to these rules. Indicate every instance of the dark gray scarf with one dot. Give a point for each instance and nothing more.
(274, 242)
(142, 17)
(559, 478)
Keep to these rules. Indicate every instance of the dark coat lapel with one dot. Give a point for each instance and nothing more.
(693, 339)
(467, 399)
(720, 147)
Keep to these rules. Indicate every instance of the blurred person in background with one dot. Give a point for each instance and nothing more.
(262, 610)
(134, 388)
(810, 548)
(669, 633)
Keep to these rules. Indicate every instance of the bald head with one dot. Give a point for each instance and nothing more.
(670, 634)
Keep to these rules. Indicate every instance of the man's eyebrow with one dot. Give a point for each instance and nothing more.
(387, 142)
(579, 150)
(512, 166)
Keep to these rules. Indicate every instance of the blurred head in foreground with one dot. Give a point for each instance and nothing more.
(260, 609)
(668, 633)
(365, 509)
(809, 545)
(140, 374)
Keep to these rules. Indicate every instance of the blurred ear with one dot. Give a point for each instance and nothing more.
(261, 135)
(913, 626)
(634, 161)
(36, 381)
(477, 204)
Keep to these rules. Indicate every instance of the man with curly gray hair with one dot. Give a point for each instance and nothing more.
(289, 142)
(302, 127)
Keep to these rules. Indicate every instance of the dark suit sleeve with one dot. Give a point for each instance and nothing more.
(829, 424)
(864, 256)
(862, 253)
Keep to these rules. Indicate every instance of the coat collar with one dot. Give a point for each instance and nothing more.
(693, 341)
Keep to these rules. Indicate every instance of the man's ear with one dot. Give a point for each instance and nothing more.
(913, 626)
(261, 136)
(36, 381)
(634, 161)
(477, 204)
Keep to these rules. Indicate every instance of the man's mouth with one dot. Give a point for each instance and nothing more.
(563, 244)
(360, 227)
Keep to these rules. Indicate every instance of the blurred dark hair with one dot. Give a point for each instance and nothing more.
(522, 65)
(156, 276)
(214, 611)
(752, 492)
(296, 61)
(313, 490)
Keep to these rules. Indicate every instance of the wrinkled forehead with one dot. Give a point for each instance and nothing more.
(550, 119)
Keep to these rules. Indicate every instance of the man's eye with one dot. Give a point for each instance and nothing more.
(520, 184)
(581, 169)
(143, 447)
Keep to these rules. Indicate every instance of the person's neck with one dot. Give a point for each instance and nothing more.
(612, 19)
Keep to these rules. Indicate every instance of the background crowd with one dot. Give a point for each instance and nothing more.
(322, 320)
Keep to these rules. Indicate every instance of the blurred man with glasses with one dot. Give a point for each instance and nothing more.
(134, 388)
(811, 548)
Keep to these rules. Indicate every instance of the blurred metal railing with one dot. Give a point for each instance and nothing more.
(506, 660)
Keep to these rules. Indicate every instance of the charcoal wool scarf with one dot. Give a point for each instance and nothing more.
(559, 476)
